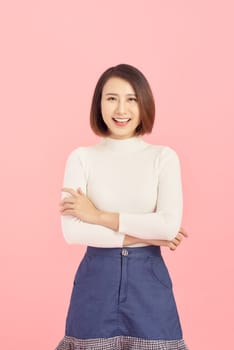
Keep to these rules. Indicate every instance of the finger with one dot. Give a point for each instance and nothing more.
(68, 206)
(79, 190)
(178, 238)
(183, 232)
(68, 200)
(69, 190)
(172, 246)
(68, 212)
(176, 241)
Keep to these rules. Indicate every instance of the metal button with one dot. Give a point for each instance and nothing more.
(124, 252)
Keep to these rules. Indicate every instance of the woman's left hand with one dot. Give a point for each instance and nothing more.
(79, 205)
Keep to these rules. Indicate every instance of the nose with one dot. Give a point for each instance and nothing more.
(121, 107)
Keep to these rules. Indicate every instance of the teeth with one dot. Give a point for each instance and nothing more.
(121, 120)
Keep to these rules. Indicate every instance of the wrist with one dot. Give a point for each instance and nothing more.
(108, 219)
(130, 240)
(158, 242)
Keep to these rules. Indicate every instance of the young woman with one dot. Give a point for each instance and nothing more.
(122, 197)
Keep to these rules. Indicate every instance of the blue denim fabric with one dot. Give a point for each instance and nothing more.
(123, 291)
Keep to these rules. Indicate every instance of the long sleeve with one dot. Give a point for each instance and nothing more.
(165, 222)
(74, 230)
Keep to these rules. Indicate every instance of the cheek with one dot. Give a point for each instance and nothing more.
(106, 109)
(103, 110)
(136, 111)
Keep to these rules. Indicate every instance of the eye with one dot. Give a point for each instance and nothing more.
(132, 99)
(111, 98)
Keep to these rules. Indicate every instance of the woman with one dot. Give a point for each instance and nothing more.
(123, 199)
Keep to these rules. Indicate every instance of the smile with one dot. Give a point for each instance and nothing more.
(121, 121)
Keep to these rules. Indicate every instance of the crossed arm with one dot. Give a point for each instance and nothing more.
(83, 223)
(111, 220)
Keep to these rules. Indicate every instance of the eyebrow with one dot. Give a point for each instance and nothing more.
(110, 93)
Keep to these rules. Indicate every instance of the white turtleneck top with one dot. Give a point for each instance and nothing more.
(140, 181)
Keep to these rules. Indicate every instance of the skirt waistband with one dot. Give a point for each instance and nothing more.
(150, 250)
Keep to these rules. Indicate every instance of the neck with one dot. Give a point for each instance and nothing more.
(129, 144)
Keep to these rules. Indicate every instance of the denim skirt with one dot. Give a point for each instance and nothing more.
(122, 298)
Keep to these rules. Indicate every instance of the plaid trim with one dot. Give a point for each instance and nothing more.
(120, 343)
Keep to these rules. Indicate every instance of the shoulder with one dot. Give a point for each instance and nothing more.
(169, 159)
(169, 152)
(76, 152)
(163, 151)
(76, 155)
(165, 156)
(81, 154)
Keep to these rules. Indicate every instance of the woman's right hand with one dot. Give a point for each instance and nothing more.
(172, 245)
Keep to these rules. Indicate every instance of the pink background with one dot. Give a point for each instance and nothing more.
(53, 52)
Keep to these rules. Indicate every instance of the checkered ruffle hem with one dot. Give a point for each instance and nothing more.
(120, 343)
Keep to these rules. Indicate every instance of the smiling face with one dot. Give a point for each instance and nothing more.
(119, 108)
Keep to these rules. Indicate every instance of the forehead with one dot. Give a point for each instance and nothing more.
(118, 85)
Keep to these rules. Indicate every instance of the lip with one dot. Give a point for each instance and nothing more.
(120, 118)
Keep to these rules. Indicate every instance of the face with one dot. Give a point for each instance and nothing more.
(119, 108)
